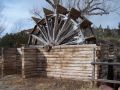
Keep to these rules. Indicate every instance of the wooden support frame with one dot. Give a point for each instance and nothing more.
(104, 80)
(105, 63)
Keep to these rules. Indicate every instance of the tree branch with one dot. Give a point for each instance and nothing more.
(97, 8)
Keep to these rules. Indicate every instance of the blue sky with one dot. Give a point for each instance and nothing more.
(16, 14)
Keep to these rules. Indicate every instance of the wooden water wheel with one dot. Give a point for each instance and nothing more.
(62, 27)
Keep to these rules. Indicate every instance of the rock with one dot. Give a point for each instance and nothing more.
(105, 87)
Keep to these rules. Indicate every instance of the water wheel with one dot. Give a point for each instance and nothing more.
(61, 27)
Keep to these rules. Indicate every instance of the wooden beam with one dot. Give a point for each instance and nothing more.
(41, 22)
(74, 14)
(105, 63)
(39, 39)
(48, 29)
(62, 10)
(70, 33)
(90, 38)
(47, 11)
(86, 24)
(64, 27)
(107, 81)
(44, 33)
(56, 2)
(29, 41)
(33, 29)
(36, 19)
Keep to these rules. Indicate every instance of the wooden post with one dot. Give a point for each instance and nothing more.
(2, 70)
(93, 71)
(22, 49)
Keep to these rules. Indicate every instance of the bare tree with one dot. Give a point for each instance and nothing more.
(36, 12)
(87, 7)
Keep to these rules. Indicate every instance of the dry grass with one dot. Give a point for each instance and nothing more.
(14, 82)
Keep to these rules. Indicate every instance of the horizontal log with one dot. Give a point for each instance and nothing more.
(29, 59)
(63, 62)
(30, 66)
(9, 51)
(56, 76)
(10, 56)
(78, 68)
(73, 62)
(67, 59)
(77, 77)
(29, 75)
(65, 56)
(70, 76)
(74, 46)
(30, 71)
(76, 74)
(105, 63)
(66, 68)
(28, 48)
(66, 53)
(48, 56)
(29, 54)
(77, 50)
(107, 81)
(66, 72)
(71, 46)
(9, 64)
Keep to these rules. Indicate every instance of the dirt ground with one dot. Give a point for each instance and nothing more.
(15, 82)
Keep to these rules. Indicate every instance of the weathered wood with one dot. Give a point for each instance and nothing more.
(36, 19)
(61, 61)
(47, 12)
(61, 10)
(105, 63)
(74, 14)
(107, 81)
(29, 63)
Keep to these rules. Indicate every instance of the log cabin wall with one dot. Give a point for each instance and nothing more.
(71, 61)
(29, 62)
(10, 61)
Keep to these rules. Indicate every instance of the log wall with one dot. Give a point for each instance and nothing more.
(10, 61)
(72, 62)
(29, 64)
(62, 62)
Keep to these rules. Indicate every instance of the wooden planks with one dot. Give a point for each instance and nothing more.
(9, 61)
(29, 63)
(73, 61)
